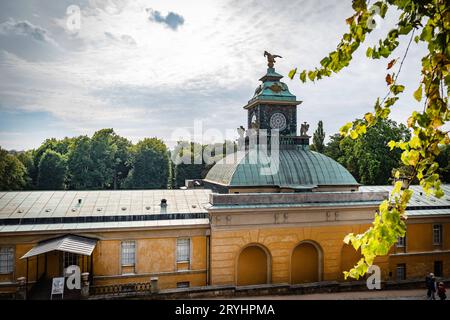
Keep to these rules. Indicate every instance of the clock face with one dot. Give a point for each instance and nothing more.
(278, 121)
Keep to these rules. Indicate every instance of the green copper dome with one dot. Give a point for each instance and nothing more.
(298, 169)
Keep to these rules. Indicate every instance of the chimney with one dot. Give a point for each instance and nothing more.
(163, 206)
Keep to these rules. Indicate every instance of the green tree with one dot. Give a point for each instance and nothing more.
(80, 165)
(102, 153)
(423, 21)
(444, 163)
(61, 146)
(333, 147)
(12, 172)
(52, 171)
(369, 159)
(26, 158)
(318, 138)
(188, 154)
(100, 162)
(150, 165)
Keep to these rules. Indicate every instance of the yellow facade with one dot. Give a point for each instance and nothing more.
(239, 255)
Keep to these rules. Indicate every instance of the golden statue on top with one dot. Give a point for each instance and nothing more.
(271, 58)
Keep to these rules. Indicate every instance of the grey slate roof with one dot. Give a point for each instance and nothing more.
(47, 204)
(421, 204)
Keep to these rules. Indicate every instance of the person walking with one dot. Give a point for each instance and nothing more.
(430, 281)
(441, 291)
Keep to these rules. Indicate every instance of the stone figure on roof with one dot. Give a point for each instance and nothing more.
(304, 129)
(271, 58)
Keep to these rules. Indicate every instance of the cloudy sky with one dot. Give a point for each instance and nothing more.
(148, 67)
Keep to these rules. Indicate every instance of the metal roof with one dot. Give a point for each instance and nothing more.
(55, 204)
(70, 243)
(297, 167)
(78, 227)
(272, 89)
(419, 199)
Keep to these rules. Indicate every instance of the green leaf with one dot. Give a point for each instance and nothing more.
(397, 88)
(303, 76)
(292, 73)
(427, 33)
(325, 62)
(418, 93)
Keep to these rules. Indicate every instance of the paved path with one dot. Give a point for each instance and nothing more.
(419, 294)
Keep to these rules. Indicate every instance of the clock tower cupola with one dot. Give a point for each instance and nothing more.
(272, 106)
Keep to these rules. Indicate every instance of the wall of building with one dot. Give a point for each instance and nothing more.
(420, 253)
(155, 256)
(280, 243)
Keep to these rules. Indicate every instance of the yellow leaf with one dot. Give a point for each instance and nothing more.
(397, 174)
(344, 129)
(397, 187)
(353, 134)
(413, 157)
(414, 142)
(391, 144)
(418, 93)
(361, 129)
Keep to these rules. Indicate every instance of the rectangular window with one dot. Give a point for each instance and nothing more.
(437, 234)
(183, 250)
(438, 267)
(6, 260)
(401, 271)
(128, 253)
(401, 242)
(70, 259)
(184, 284)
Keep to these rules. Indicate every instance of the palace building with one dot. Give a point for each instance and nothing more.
(254, 222)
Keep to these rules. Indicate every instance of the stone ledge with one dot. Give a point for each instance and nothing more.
(230, 291)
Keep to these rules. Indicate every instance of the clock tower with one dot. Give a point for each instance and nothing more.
(273, 107)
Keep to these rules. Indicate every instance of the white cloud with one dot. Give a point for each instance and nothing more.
(124, 71)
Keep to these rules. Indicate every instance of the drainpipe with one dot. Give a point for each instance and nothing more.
(208, 259)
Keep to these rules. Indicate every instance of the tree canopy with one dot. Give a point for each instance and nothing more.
(52, 171)
(318, 138)
(150, 165)
(369, 159)
(12, 172)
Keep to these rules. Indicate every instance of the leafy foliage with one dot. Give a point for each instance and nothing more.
(52, 171)
(12, 172)
(368, 158)
(422, 21)
(193, 167)
(150, 163)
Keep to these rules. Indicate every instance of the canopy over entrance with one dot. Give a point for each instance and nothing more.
(69, 243)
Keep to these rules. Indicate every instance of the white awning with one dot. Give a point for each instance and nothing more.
(69, 243)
